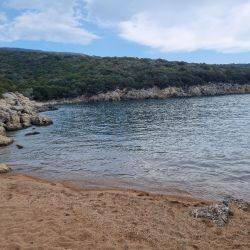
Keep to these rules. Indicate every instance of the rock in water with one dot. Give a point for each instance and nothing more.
(46, 107)
(4, 169)
(41, 121)
(32, 133)
(19, 146)
(218, 213)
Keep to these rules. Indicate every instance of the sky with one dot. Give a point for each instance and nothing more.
(211, 31)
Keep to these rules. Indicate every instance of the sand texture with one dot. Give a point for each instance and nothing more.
(36, 214)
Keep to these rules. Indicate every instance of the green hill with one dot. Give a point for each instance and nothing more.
(49, 75)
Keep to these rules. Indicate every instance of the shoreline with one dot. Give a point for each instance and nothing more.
(157, 93)
(88, 182)
(78, 188)
(36, 213)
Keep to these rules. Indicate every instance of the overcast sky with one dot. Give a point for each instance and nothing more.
(213, 31)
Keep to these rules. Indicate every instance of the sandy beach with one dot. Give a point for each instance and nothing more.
(37, 214)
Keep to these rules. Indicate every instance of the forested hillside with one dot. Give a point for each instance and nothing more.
(45, 75)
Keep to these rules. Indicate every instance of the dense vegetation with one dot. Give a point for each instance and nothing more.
(45, 75)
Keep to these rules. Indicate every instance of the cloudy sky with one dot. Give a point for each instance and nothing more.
(213, 31)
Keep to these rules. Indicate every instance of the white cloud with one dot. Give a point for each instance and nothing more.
(180, 25)
(165, 25)
(53, 21)
(3, 17)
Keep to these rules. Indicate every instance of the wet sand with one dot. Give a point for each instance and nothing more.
(37, 214)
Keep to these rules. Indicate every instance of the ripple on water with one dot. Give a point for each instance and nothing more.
(201, 145)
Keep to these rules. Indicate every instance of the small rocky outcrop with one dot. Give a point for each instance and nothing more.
(221, 212)
(4, 169)
(18, 112)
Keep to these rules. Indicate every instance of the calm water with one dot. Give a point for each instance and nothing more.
(197, 146)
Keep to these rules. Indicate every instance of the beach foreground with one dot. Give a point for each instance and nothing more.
(36, 214)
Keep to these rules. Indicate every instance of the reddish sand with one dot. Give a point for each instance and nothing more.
(36, 214)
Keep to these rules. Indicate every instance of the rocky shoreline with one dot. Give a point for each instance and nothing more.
(19, 112)
(212, 89)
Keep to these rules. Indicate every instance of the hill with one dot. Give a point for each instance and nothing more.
(51, 75)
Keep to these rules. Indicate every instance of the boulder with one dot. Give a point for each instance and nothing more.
(17, 112)
(5, 141)
(4, 169)
(25, 120)
(41, 121)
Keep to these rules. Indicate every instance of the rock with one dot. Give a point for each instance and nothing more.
(25, 119)
(41, 121)
(194, 91)
(218, 213)
(32, 133)
(240, 203)
(18, 112)
(2, 131)
(14, 122)
(18, 108)
(46, 107)
(5, 141)
(9, 95)
(4, 169)
(19, 146)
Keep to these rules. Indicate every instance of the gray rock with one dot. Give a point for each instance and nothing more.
(218, 213)
(46, 107)
(14, 122)
(18, 112)
(4, 169)
(240, 203)
(9, 95)
(41, 121)
(25, 119)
